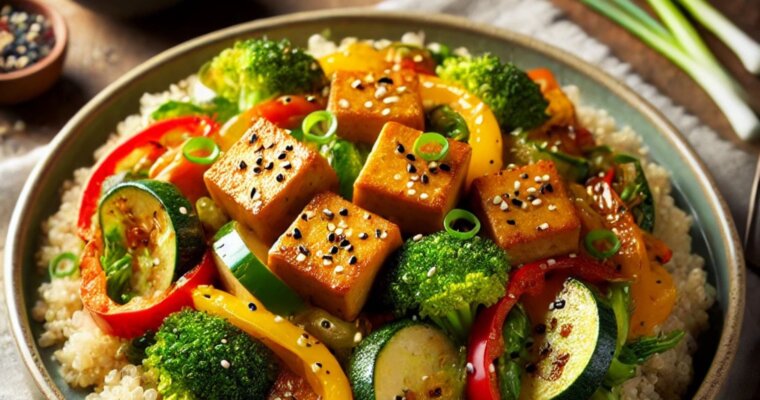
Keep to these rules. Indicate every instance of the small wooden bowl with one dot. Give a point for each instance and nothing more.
(26, 83)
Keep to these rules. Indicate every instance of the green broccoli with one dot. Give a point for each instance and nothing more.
(446, 279)
(200, 356)
(255, 70)
(514, 98)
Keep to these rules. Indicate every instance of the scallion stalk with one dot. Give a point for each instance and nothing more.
(724, 92)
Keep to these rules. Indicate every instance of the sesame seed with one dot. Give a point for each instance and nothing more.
(400, 148)
(433, 164)
(417, 237)
(301, 341)
(378, 232)
(343, 103)
(368, 104)
(334, 250)
(524, 176)
(445, 167)
(517, 185)
(385, 80)
(536, 202)
(242, 165)
(253, 139)
(427, 84)
(303, 250)
(253, 192)
(259, 160)
(414, 177)
(504, 206)
(397, 177)
(183, 210)
(411, 192)
(287, 165)
(289, 147)
(431, 272)
(357, 84)
(551, 262)
(380, 92)
(343, 212)
(497, 200)
(224, 341)
(256, 170)
(425, 179)
(280, 177)
(269, 165)
(543, 226)
(329, 214)
(531, 190)
(307, 215)
(225, 364)
(296, 233)
(352, 260)
(363, 236)
(424, 196)
(391, 99)
(278, 318)
(491, 368)
(572, 255)
(517, 202)
(339, 231)
(331, 227)
(545, 178)
(470, 368)
(339, 269)
(537, 179)
(386, 112)
(384, 235)
(401, 89)
(411, 157)
(357, 337)
(367, 216)
(552, 207)
(411, 169)
(511, 222)
(300, 257)
(326, 260)
(479, 119)
(410, 184)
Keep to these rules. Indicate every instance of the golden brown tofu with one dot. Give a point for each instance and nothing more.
(332, 253)
(400, 186)
(527, 211)
(266, 178)
(364, 101)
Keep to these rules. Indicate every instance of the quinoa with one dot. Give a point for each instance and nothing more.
(90, 358)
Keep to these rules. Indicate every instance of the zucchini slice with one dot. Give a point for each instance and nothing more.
(407, 359)
(238, 256)
(573, 346)
(152, 236)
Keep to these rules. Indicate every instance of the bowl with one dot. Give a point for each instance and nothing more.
(713, 234)
(27, 83)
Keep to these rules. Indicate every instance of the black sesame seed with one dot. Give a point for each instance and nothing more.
(530, 197)
(344, 243)
(329, 214)
(411, 157)
(326, 324)
(517, 192)
(282, 155)
(433, 170)
(385, 80)
(411, 168)
(297, 233)
(303, 250)
(253, 139)
(445, 167)
(311, 99)
(350, 248)
(352, 260)
(280, 177)
(559, 304)
(424, 179)
(378, 233)
(286, 100)
(289, 147)
(208, 296)
(524, 175)
(252, 306)
(269, 166)
(270, 145)
(549, 188)
(287, 165)
(400, 148)
(259, 160)
(256, 170)
(331, 237)
(517, 202)
(327, 257)
(343, 212)
(242, 165)
(304, 217)
(530, 368)
(260, 149)
(540, 329)
(363, 236)
(253, 192)
(511, 222)
(334, 250)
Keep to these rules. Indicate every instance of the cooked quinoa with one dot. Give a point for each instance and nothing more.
(90, 358)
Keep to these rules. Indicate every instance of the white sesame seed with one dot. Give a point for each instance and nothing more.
(339, 231)
(411, 192)
(433, 164)
(537, 179)
(479, 119)
(391, 99)
(414, 177)
(425, 377)
(368, 104)
(431, 272)
(380, 92)
(156, 261)
(497, 200)
(339, 269)
(536, 202)
(417, 58)
(384, 235)
(357, 337)
(326, 262)
(572, 255)
(386, 111)
(367, 216)
(397, 177)
(552, 207)
(545, 178)
(356, 83)
(491, 368)
(300, 257)
(543, 226)
(551, 261)
(410, 184)
(278, 318)
(331, 227)
(424, 196)
(517, 185)
(511, 166)
(531, 190)
(417, 237)
(183, 210)
(504, 206)
(470, 368)
(427, 84)
(343, 103)
(315, 367)
(225, 364)
(401, 89)
(301, 341)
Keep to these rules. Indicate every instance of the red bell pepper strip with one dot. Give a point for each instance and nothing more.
(287, 112)
(154, 139)
(139, 315)
(544, 78)
(486, 340)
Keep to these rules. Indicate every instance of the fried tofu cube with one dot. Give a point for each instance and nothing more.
(266, 178)
(401, 186)
(332, 253)
(364, 101)
(528, 212)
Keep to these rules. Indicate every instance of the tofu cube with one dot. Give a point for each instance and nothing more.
(266, 178)
(364, 101)
(411, 192)
(528, 212)
(332, 253)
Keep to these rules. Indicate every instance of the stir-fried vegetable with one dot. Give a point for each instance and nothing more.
(450, 123)
(219, 108)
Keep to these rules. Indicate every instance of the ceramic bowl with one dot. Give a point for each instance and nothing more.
(27, 83)
(713, 235)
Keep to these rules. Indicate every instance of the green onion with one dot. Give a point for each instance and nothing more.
(459, 214)
(207, 147)
(684, 48)
(63, 265)
(602, 235)
(435, 139)
(319, 127)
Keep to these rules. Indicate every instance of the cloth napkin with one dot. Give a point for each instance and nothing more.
(540, 19)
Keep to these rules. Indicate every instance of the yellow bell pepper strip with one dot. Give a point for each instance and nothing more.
(356, 57)
(485, 135)
(301, 352)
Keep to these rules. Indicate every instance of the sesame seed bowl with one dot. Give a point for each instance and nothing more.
(33, 42)
(712, 235)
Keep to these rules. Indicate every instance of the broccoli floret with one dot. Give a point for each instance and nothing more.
(255, 70)
(200, 356)
(446, 279)
(514, 98)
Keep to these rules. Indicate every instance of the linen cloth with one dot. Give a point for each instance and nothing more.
(537, 18)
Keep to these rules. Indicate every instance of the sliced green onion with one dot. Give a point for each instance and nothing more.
(63, 265)
(431, 138)
(207, 148)
(459, 214)
(599, 235)
(320, 126)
